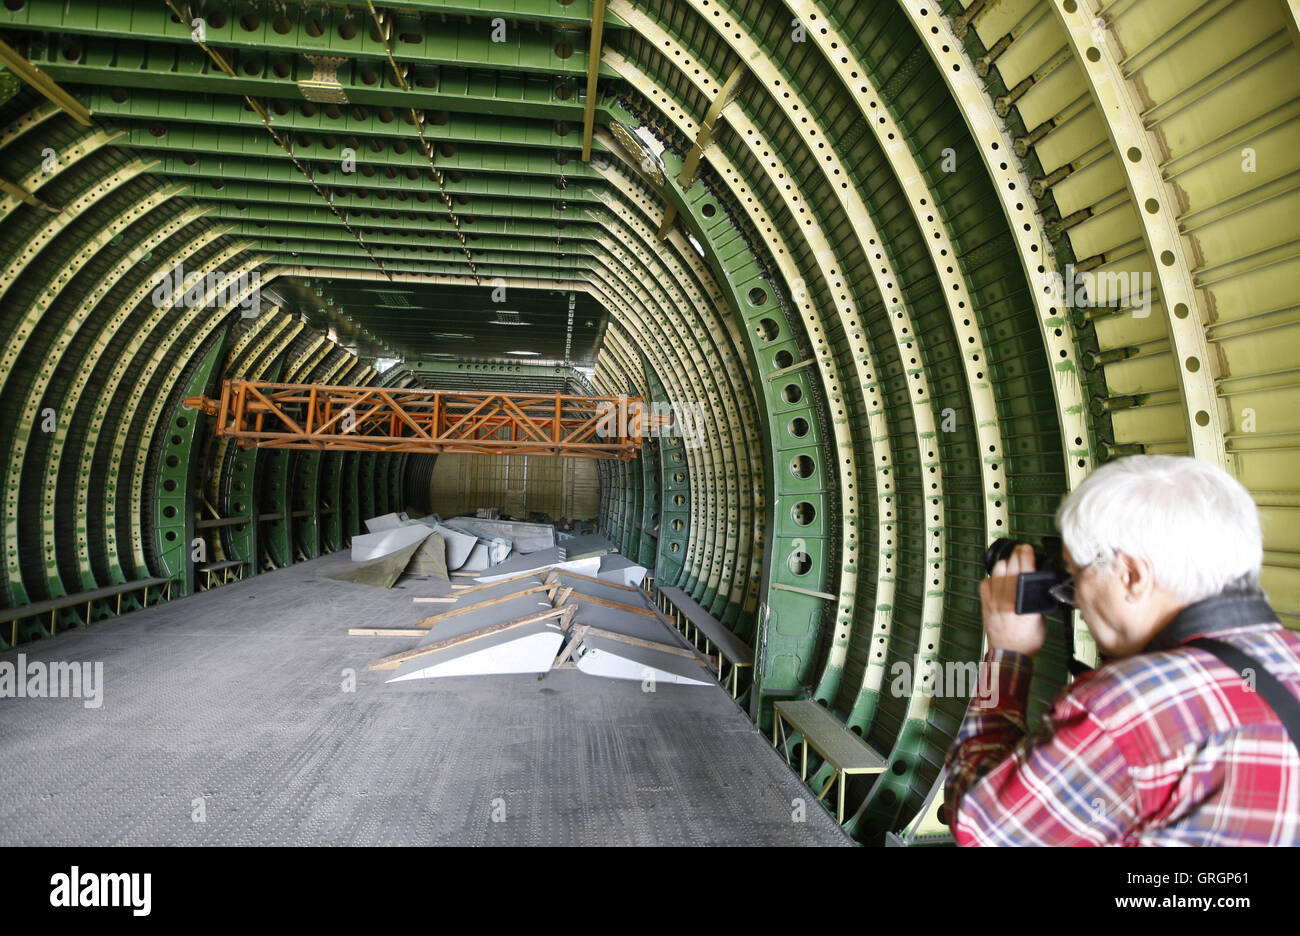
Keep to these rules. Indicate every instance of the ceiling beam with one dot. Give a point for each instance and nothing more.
(450, 44)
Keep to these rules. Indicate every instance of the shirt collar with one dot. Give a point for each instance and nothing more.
(1210, 616)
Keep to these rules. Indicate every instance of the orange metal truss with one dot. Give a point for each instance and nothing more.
(383, 419)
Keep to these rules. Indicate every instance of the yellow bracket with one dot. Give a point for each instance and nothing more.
(708, 132)
(44, 84)
(17, 191)
(709, 127)
(1293, 20)
(593, 72)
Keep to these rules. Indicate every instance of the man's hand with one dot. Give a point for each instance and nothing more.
(1023, 633)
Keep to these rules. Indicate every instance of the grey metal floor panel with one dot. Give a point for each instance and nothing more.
(625, 622)
(606, 590)
(524, 537)
(644, 657)
(235, 696)
(587, 544)
(519, 563)
(489, 590)
(491, 654)
(466, 621)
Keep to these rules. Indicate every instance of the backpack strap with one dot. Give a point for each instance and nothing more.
(1269, 686)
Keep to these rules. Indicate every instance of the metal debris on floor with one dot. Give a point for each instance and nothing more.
(396, 545)
(546, 613)
(621, 570)
(545, 602)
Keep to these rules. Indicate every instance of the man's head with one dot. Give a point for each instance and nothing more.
(1148, 535)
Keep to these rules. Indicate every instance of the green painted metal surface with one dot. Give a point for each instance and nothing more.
(851, 296)
(176, 478)
(275, 516)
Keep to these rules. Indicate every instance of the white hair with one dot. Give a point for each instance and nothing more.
(1195, 523)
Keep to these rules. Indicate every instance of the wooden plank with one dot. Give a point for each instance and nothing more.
(598, 581)
(574, 639)
(505, 581)
(681, 638)
(385, 632)
(397, 659)
(606, 603)
(430, 621)
(430, 600)
(638, 642)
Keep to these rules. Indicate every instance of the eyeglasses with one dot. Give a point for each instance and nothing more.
(1064, 591)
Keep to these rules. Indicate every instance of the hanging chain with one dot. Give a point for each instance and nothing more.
(186, 20)
(385, 29)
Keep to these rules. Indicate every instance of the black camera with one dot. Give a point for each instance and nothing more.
(1033, 594)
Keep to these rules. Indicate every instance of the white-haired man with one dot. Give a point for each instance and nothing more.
(1181, 737)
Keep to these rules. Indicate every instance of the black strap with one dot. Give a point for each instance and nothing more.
(1269, 687)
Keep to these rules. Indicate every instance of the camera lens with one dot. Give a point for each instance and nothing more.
(999, 549)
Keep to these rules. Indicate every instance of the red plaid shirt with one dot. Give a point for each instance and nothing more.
(1168, 747)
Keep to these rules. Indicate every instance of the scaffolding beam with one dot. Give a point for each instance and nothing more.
(258, 414)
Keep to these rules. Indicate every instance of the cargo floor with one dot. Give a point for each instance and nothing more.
(231, 708)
